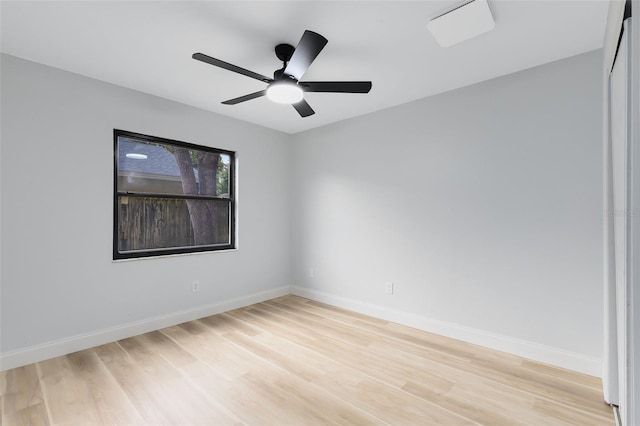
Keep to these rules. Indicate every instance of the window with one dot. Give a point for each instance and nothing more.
(171, 197)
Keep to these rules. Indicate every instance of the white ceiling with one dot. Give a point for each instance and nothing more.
(147, 46)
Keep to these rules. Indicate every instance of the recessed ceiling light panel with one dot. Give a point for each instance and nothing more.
(462, 23)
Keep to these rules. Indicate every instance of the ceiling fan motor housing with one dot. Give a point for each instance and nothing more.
(284, 53)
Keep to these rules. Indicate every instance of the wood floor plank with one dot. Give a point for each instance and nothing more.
(179, 402)
(297, 362)
(263, 385)
(331, 328)
(3, 382)
(538, 384)
(571, 417)
(356, 388)
(140, 385)
(344, 312)
(572, 376)
(111, 402)
(439, 386)
(174, 354)
(553, 388)
(66, 396)
(337, 408)
(521, 406)
(519, 400)
(21, 389)
(35, 414)
(211, 349)
(216, 372)
(452, 348)
(328, 347)
(465, 407)
(373, 363)
(222, 324)
(548, 387)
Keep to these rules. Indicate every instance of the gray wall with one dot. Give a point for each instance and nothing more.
(483, 206)
(58, 277)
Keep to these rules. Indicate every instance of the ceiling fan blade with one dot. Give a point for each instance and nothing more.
(336, 86)
(310, 45)
(303, 108)
(245, 98)
(227, 66)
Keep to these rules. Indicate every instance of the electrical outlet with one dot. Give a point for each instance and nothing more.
(388, 287)
(195, 286)
(312, 273)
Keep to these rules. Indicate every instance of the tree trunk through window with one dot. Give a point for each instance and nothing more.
(203, 214)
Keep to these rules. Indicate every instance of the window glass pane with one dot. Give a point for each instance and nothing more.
(158, 168)
(171, 197)
(223, 175)
(146, 223)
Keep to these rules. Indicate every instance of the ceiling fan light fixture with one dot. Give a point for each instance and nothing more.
(285, 86)
(285, 92)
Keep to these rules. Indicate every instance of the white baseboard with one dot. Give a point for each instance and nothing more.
(530, 350)
(550, 355)
(76, 343)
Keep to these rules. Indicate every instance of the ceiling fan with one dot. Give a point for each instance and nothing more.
(285, 86)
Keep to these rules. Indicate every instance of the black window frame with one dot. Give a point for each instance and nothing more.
(117, 255)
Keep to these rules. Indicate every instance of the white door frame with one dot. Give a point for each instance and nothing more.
(633, 327)
(629, 398)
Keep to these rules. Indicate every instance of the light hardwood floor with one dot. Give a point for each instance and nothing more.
(291, 361)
